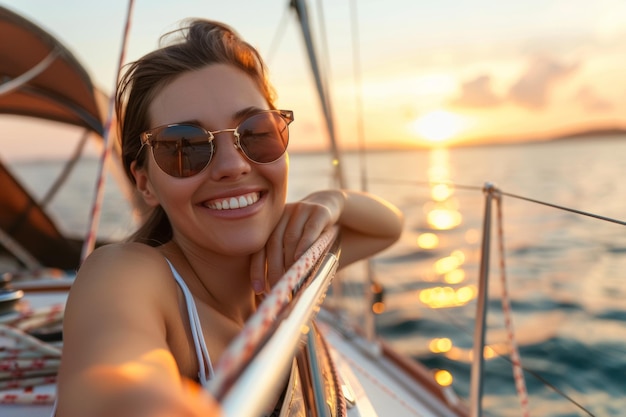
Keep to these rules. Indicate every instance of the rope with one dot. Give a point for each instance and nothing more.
(90, 240)
(518, 373)
(28, 366)
(450, 318)
(456, 323)
(242, 348)
(26, 362)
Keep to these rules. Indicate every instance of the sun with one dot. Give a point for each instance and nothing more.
(439, 125)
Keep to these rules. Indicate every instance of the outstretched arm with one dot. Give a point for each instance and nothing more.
(368, 223)
(116, 360)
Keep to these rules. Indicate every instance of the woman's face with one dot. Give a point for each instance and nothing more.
(212, 97)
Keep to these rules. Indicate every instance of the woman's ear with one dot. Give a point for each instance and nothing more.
(143, 185)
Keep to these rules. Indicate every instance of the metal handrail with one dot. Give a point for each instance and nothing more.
(476, 380)
(257, 383)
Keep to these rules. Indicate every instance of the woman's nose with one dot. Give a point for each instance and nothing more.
(228, 160)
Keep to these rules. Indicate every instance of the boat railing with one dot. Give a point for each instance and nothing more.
(492, 194)
(476, 385)
(258, 360)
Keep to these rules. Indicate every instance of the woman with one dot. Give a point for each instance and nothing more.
(206, 150)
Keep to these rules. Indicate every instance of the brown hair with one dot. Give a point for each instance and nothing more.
(199, 43)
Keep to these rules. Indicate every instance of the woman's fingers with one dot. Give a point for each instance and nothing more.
(305, 224)
(258, 272)
(300, 226)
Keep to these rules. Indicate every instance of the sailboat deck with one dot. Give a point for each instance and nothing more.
(379, 384)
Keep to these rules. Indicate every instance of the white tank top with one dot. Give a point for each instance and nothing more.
(205, 371)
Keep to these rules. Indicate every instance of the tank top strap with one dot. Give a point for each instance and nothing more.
(205, 372)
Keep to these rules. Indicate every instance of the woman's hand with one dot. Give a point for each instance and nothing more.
(301, 224)
(368, 225)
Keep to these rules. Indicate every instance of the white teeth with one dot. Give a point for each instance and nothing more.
(234, 202)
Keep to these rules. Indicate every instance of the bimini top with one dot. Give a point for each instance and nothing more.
(40, 78)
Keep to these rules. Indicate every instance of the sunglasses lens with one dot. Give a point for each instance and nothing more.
(182, 150)
(185, 150)
(264, 137)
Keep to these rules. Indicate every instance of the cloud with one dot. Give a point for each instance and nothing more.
(533, 88)
(591, 101)
(477, 93)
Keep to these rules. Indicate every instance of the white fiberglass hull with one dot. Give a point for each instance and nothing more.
(381, 383)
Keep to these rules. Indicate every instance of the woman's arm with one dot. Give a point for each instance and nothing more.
(116, 361)
(368, 223)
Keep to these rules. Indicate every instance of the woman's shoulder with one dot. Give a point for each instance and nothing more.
(123, 258)
(125, 252)
(123, 269)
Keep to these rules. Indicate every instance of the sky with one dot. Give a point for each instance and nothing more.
(403, 73)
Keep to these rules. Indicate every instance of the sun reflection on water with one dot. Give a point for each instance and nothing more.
(442, 212)
(445, 296)
(428, 241)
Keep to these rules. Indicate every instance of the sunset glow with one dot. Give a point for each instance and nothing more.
(517, 80)
(439, 125)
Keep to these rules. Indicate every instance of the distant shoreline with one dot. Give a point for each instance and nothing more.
(605, 133)
(580, 135)
(592, 132)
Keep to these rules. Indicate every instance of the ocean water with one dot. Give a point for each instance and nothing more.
(565, 272)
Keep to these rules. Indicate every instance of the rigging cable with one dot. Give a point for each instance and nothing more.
(90, 239)
(325, 56)
(571, 210)
(515, 362)
(518, 373)
(375, 289)
(67, 170)
(303, 16)
(358, 89)
(454, 321)
(516, 196)
(278, 36)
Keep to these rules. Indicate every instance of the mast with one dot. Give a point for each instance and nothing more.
(303, 16)
(374, 291)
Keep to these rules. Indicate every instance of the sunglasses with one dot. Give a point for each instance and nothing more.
(183, 150)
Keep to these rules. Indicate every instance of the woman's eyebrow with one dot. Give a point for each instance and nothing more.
(237, 117)
(245, 112)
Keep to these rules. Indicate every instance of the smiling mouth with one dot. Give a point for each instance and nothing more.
(233, 203)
